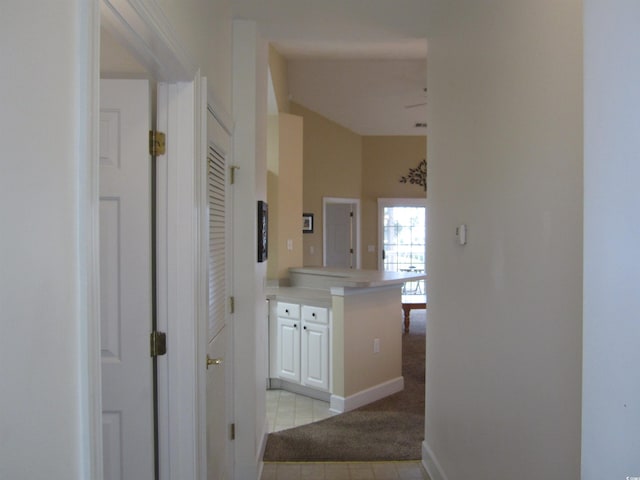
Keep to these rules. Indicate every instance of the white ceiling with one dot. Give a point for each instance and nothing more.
(357, 62)
(371, 97)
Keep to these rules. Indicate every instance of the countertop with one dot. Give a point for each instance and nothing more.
(309, 296)
(353, 278)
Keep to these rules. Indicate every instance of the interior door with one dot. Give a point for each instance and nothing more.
(125, 280)
(219, 390)
(339, 233)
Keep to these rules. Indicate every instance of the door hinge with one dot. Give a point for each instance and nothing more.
(232, 431)
(232, 304)
(351, 214)
(156, 143)
(232, 174)
(158, 343)
(351, 250)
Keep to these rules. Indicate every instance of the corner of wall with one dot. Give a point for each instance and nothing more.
(431, 464)
(280, 78)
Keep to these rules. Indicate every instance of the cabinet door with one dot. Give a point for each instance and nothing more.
(289, 349)
(315, 355)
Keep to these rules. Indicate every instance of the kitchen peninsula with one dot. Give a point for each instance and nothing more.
(336, 334)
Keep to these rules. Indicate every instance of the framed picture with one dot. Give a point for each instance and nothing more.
(262, 231)
(307, 223)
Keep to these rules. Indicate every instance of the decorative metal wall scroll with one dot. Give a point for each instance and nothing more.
(417, 176)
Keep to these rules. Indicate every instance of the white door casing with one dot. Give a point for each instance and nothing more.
(125, 280)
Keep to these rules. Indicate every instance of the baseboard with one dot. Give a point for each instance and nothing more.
(431, 464)
(341, 404)
(262, 447)
(277, 383)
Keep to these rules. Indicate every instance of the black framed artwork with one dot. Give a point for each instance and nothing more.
(307, 223)
(262, 231)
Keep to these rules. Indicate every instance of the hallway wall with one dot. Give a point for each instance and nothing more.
(39, 252)
(504, 345)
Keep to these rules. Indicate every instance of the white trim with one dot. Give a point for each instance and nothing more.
(88, 141)
(350, 201)
(162, 287)
(431, 464)
(341, 404)
(201, 251)
(143, 27)
(183, 283)
(393, 202)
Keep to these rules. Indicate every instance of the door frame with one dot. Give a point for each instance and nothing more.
(145, 32)
(341, 200)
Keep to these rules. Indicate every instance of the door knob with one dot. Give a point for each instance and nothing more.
(214, 361)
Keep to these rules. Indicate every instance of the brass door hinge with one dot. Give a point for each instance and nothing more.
(158, 343)
(232, 304)
(156, 143)
(232, 174)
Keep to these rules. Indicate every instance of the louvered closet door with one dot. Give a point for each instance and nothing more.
(219, 375)
(217, 244)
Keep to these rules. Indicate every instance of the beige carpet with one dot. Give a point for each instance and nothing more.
(389, 429)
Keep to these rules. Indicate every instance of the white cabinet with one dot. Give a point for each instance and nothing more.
(289, 349)
(315, 348)
(302, 344)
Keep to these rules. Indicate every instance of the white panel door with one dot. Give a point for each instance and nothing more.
(125, 280)
(339, 235)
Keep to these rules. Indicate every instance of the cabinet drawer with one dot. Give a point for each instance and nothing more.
(315, 314)
(288, 310)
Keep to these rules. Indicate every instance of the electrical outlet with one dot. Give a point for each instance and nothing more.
(376, 345)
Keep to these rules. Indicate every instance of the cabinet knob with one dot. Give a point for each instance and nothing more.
(305, 327)
(313, 314)
(295, 325)
(286, 310)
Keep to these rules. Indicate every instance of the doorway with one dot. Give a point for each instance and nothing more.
(181, 240)
(341, 232)
(403, 239)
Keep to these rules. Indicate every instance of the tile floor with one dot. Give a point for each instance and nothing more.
(287, 410)
(344, 471)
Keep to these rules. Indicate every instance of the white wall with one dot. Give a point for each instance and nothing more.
(611, 383)
(505, 311)
(204, 30)
(41, 311)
